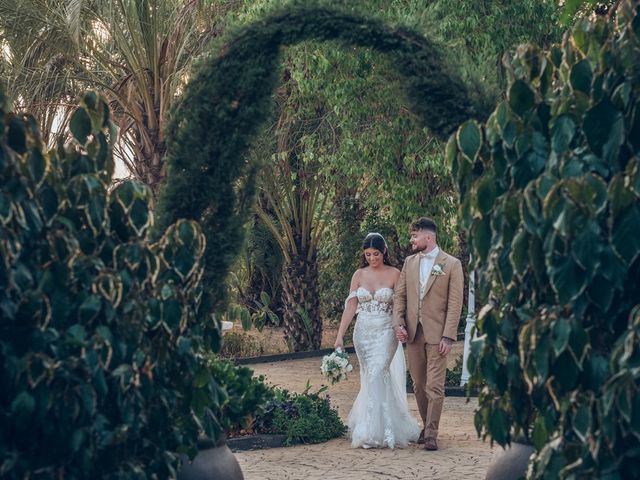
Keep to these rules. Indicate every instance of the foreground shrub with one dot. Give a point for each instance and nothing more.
(100, 329)
(550, 190)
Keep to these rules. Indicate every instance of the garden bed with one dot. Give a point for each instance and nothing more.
(256, 442)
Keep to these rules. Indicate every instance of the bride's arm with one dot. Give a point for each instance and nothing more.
(349, 311)
(400, 306)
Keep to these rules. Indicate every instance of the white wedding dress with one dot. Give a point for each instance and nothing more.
(380, 415)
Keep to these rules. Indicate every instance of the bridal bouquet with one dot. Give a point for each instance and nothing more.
(335, 366)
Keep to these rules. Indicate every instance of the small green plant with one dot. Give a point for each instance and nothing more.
(245, 396)
(257, 316)
(305, 417)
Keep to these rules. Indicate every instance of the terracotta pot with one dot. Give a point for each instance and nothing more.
(510, 464)
(213, 462)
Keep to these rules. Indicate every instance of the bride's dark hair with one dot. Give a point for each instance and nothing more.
(375, 240)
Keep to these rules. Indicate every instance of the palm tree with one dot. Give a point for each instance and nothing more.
(137, 52)
(294, 207)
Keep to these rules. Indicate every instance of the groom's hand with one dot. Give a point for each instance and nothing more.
(445, 346)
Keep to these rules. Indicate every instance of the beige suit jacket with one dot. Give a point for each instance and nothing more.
(439, 308)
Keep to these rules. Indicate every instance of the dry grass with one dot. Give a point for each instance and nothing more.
(270, 341)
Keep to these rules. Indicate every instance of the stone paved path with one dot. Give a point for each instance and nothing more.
(461, 455)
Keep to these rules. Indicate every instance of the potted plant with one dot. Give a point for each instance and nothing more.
(550, 198)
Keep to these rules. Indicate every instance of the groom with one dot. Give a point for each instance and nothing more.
(427, 303)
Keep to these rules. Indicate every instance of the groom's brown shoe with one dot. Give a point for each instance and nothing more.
(430, 444)
(421, 437)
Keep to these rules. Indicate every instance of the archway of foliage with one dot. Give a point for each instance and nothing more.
(228, 100)
(550, 192)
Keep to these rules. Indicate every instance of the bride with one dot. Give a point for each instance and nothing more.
(380, 415)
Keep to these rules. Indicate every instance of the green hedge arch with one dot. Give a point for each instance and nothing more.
(228, 99)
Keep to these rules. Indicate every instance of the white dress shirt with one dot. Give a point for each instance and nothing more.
(426, 265)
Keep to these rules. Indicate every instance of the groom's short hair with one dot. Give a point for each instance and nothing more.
(424, 223)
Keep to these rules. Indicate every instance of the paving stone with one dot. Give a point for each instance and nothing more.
(461, 455)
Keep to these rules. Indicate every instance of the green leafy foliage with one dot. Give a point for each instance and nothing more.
(372, 156)
(246, 396)
(54, 51)
(101, 329)
(229, 98)
(305, 417)
(553, 210)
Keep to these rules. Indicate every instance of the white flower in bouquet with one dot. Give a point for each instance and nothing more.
(335, 366)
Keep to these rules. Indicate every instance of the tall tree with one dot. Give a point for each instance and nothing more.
(295, 210)
(137, 52)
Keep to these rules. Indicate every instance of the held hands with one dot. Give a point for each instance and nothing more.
(401, 334)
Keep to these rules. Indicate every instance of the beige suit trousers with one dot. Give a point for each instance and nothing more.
(428, 370)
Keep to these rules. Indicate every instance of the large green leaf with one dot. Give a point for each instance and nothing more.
(565, 370)
(519, 255)
(501, 115)
(603, 126)
(582, 421)
(539, 434)
(624, 234)
(541, 357)
(16, 135)
(600, 292)
(477, 347)
(586, 247)
(568, 280)
(89, 309)
(562, 133)
(624, 402)
(620, 197)
(481, 237)
(596, 371)
(80, 125)
(451, 152)
(589, 192)
(561, 331)
(578, 342)
(469, 138)
(37, 165)
(521, 97)
(22, 406)
(581, 76)
(486, 193)
(499, 426)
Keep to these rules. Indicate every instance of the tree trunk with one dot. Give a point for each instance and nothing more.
(302, 323)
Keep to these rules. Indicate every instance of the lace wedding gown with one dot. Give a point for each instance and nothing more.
(380, 415)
